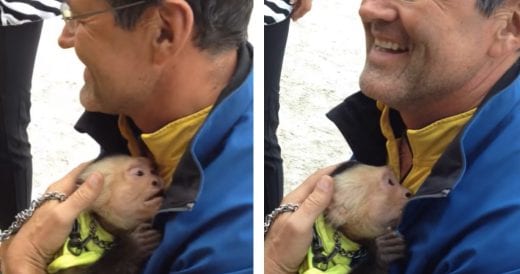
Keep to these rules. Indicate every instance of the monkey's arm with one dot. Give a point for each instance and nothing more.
(384, 250)
(130, 252)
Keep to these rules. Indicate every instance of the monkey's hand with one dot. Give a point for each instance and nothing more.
(130, 252)
(389, 247)
(145, 240)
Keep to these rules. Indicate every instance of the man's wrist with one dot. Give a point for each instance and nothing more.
(19, 269)
(271, 267)
(17, 265)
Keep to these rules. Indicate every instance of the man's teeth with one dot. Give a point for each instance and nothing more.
(388, 45)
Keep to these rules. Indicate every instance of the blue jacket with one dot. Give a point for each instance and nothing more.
(465, 216)
(207, 216)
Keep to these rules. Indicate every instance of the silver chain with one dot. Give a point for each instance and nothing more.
(361, 252)
(269, 219)
(106, 245)
(25, 214)
(76, 245)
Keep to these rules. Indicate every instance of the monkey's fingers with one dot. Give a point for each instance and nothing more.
(148, 234)
(396, 249)
(152, 241)
(383, 242)
(388, 258)
(390, 234)
(143, 227)
(148, 245)
(389, 255)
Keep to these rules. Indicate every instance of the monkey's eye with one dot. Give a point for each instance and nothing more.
(137, 172)
(390, 182)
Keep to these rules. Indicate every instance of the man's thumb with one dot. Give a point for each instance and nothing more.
(318, 200)
(84, 196)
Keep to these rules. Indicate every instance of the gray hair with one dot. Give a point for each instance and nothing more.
(487, 7)
(221, 24)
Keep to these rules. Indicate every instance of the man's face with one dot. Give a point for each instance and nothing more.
(116, 75)
(421, 50)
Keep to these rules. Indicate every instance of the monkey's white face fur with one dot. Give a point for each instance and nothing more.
(132, 191)
(367, 200)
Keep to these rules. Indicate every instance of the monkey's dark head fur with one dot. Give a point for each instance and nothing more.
(344, 166)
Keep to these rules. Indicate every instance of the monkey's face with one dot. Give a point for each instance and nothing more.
(367, 200)
(386, 202)
(133, 194)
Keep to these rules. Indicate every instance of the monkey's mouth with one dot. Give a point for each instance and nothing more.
(394, 223)
(157, 195)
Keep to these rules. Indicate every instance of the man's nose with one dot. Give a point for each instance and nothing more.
(66, 39)
(372, 10)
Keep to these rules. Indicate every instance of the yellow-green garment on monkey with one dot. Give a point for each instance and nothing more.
(338, 264)
(89, 254)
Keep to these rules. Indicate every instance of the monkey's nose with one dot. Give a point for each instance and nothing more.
(157, 183)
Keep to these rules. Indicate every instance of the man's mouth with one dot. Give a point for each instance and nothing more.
(389, 46)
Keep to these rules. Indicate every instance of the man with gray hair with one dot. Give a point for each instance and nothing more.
(171, 80)
(440, 104)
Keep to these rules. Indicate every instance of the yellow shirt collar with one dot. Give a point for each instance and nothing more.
(166, 145)
(427, 144)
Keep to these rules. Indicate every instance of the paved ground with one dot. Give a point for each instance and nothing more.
(324, 56)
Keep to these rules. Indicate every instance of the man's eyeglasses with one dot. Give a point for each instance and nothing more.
(68, 15)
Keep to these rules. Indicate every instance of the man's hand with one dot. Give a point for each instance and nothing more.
(301, 7)
(290, 235)
(33, 247)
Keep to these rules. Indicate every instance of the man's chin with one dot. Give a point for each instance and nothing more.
(89, 102)
(92, 103)
(89, 106)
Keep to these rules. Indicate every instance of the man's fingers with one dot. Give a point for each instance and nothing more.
(83, 197)
(301, 8)
(303, 190)
(316, 203)
(67, 184)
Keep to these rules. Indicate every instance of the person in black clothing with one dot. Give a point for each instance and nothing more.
(20, 28)
(18, 46)
(276, 30)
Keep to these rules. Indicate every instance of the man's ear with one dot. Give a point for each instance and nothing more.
(175, 28)
(507, 35)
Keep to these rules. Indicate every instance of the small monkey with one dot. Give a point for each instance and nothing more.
(114, 235)
(367, 202)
